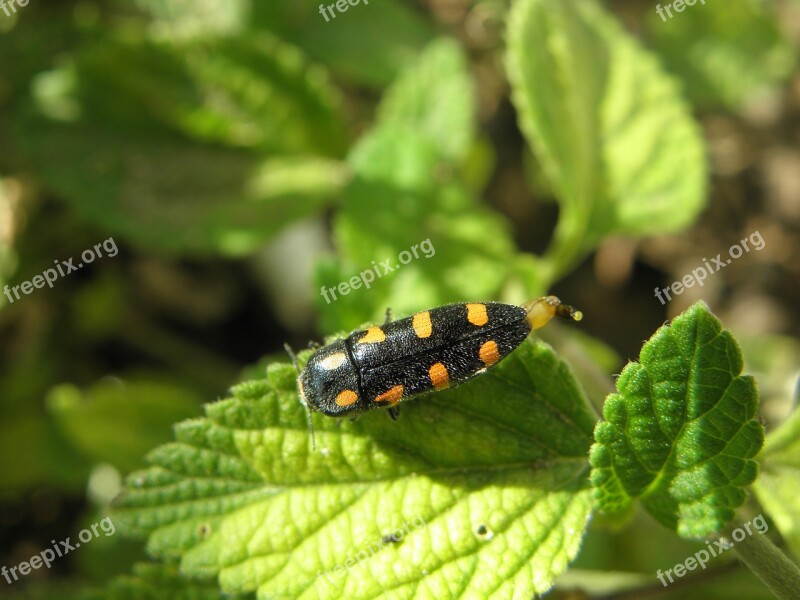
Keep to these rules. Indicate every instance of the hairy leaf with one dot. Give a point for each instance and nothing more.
(681, 432)
(476, 491)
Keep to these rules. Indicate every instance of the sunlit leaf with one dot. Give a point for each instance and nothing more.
(610, 128)
(485, 484)
(407, 219)
(681, 433)
(434, 97)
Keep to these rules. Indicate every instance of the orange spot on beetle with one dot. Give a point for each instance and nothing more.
(421, 322)
(489, 353)
(373, 336)
(346, 398)
(476, 314)
(392, 395)
(440, 378)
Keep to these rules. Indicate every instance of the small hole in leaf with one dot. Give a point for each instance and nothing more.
(484, 532)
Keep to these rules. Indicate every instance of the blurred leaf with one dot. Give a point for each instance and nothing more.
(403, 195)
(118, 422)
(33, 453)
(434, 97)
(164, 193)
(609, 126)
(778, 484)
(182, 19)
(601, 582)
(252, 91)
(9, 199)
(123, 170)
(682, 432)
(109, 555)
(726, 53)
(157, 582)
(774, 361)
(487, 479)
(369, 44)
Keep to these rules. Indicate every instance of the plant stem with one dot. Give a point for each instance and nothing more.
(769, 564)
(567, 248)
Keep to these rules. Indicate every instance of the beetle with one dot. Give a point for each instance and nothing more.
(431, 350)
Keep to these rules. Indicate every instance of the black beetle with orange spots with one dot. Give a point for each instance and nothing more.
(429, 351)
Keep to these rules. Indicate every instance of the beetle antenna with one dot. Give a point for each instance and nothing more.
(292, 356)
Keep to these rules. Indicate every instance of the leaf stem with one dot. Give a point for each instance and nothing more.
(769, 564)
(567, 248)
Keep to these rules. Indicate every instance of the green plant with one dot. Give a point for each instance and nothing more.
(159, 136)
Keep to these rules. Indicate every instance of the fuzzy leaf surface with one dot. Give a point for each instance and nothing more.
(484, 485)
(681, 433)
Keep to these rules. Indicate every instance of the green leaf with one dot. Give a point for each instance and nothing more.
(368, 44)
(403, 195)
(774, 361)
(117, 421)
(167, 194)
(247, 92)
(156, 582)
(483, 485)
(778, 484)
(33, 454)
(183, 19)
(434, 97)
(681, 432)
(726, 53)
(172, 148)
(612, 131)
